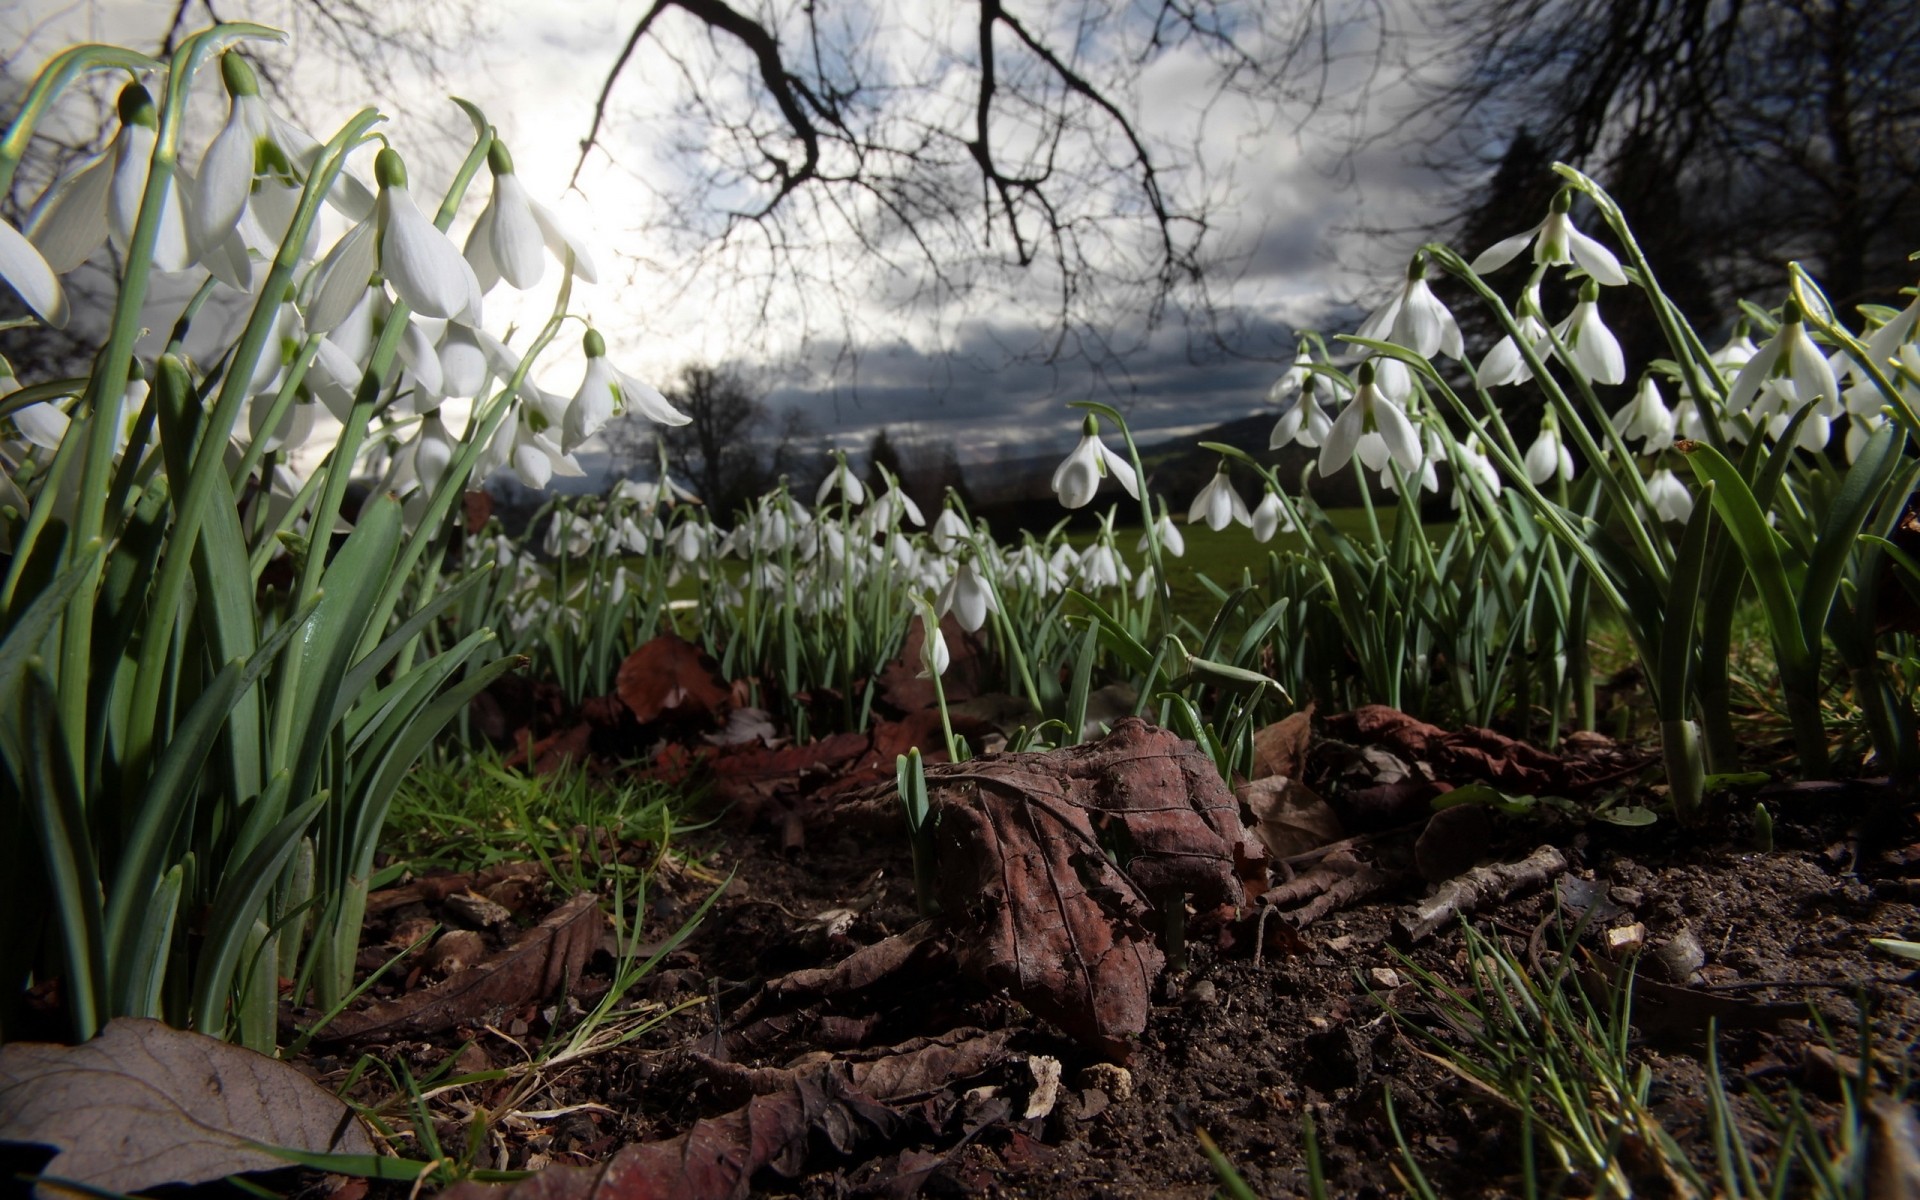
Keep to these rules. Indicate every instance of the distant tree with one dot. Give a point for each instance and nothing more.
(733, 446)
(925, 471)
(1736, 134)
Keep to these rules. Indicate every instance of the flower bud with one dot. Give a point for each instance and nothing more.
(389, 169)
(238, 75)
(136, 107)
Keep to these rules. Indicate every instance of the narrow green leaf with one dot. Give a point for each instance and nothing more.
(1759, 548)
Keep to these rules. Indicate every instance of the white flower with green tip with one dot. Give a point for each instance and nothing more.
(1218, 504)
(1077, 478)
(1415, 318)
(515, 232)
(1172, 541)
(421, 263)
(100, 202)
(606, 392)
(1595, 351)
(1646, 418)
(967, 597)
(1672, 501)
(1555, 242)
(1270, 517)
(1372, 426)
(1788, 372)
(1548, 457)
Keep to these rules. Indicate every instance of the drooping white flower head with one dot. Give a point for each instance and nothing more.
(1595, 351)
(100, 201)
(892, 506)
(514, 232)
(1671, 499)
(25, 270)
(607, 392)
(843, 479)
(1504, 364)
(1218, 504)
(1548, 457)
(1171, 540)
(1270, 517)
(967, 597)
(934, 657)
(1375, 427)
(1415, 318)
(948, 531)
(1789, 372)
(1646, 418)
(1078, 477)
(421, 263)
(1304, 420)
(1555, 242)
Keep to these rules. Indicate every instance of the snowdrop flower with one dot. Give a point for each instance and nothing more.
(1373, 426)
(1814, 432)
(1591, 345)
(688, 540)
(967, 597)
(1687, 421)
(1646, 418)
(432, 453)
(1218, 504)
(508, 239)
(1504, 364)
(1270, 517)
(25, 270)
(1885, 343)
(1789, 371)
(1302, 421)
(1671, 499)
(1415, 318)
(948, 531)
(1473, 464)
(523, 445)
(892, 505)
(398, 241)
(851, 489)
(1738, 351)
(250, 179)
(1555, 243)
(1293, 379)
(1548, 456)
(1077, 478)
(934, 658)
(1100, 567)
(1169, 534)
(100, 201)
(605, 392)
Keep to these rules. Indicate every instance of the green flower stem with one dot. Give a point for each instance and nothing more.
(1696, 364)
(47, 86)
(209, 465)
(1155, 556)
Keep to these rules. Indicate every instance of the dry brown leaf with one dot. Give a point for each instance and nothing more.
(1023, 874)
(1289, 819)
(1281, 748)
(671, 675)
(144, 1104)
(536, 965)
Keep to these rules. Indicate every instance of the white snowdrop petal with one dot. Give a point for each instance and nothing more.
(26, 271)
(70, 221)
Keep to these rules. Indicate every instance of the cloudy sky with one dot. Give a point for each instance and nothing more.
(859, 335)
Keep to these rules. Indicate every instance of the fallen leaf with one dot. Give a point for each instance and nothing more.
(536, 965)
(671, 675)
(144, 1104)
(838, 1105)
(1023, 873)
(1281, 748)
(1289, 819)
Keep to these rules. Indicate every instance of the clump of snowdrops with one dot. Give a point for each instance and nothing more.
(199, 755)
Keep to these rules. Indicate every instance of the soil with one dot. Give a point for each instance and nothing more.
(1313, 1011)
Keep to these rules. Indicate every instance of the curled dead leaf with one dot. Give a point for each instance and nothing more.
(144, 1104)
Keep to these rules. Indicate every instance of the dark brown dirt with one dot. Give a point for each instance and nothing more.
(1237, 1048)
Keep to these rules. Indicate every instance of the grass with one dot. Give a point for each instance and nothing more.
(473, 813)
(1557, 1053)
